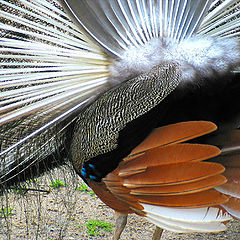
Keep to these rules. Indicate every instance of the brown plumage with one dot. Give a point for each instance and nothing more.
(165, 171)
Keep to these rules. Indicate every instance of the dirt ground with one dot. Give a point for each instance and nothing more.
(64, 212)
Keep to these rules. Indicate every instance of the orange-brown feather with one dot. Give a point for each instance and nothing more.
(108, 198)
(173, 174)
(201, 199)
(174, 133)
(181, 189)
(171, 154)
(163, 171)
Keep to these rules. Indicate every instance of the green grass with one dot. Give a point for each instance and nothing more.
(57, 183)
(84, 188)
(95, 227)
(5, 212)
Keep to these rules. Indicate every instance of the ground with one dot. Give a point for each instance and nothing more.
(64, 212)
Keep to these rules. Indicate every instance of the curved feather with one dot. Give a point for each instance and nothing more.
(180, 189)
(222, 20)
(194, 215)
(49, 72)
(141, 34)
(173, 154)
(211, 219)
(173, 174)
(118, 24)
(179, 227)
(174, 133)
(232, 206)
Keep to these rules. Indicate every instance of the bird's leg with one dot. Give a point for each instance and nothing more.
(121, 220)
(157, 233)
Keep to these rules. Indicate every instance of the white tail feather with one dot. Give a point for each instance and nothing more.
(186, 227)
(187, 220)
(194, 215)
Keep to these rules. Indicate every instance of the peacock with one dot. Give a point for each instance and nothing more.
(142, 96)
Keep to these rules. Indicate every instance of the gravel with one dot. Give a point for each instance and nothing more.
(64, 212)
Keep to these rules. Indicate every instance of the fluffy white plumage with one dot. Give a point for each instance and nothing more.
(198, 57)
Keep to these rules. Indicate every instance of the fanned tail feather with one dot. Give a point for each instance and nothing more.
(116, 25)
(142, 34)
(49, 72)
(222, 20)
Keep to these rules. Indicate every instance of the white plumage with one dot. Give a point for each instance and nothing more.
(187, 220)
(198, 57)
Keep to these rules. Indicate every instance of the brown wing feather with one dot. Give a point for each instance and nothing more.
(171, 154)
(202, 199)
(107, 197)
(181, 189)
(163, 172)
(173, 174)
(174, 133)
